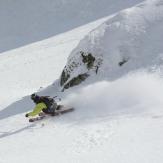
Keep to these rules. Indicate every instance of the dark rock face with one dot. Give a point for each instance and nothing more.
(123, 62)
(88, 59)
(76, 80)
(64, 77)
(84, 60)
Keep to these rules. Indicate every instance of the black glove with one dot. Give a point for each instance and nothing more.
(26, 115)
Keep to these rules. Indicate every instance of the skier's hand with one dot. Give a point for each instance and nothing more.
(26, 115)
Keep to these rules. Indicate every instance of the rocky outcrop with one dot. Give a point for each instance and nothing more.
(88, 59)
(76, 80)
(79, 69)
(64, 77)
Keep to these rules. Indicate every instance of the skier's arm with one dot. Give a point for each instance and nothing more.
(37, 109)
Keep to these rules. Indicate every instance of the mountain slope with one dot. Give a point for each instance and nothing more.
(118, 113)
(37, 65)
(119, 46)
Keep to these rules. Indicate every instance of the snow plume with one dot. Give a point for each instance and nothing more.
(135, 93)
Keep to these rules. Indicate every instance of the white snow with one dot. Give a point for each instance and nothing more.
(118, 115)
(37, 65)
(134, 35)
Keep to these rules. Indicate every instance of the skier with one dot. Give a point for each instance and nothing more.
(43, 104)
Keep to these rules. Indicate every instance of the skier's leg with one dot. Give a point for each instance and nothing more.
(41, 114)
(52, 111)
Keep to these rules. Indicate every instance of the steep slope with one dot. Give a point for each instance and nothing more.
(26, 69)
(117, 121)
(120, 45)
(23, 22)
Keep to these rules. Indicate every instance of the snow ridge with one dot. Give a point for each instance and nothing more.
(122, 43)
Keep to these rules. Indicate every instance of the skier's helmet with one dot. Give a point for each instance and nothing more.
(33, 96)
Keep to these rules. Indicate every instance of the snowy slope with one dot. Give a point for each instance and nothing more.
(118, 113)
(91, 135)
(37, 65)
(23, 22)
(121, 45)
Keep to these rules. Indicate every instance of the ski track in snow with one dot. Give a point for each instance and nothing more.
(100, 140)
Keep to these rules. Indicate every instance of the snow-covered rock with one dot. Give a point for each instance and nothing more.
(128, 41)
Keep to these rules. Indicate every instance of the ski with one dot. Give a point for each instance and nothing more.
(61, 111)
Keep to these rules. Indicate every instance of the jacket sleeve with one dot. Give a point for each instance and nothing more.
(37, 109)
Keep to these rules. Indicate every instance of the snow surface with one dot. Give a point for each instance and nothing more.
(37, 65)
(134, 35)
(118, 115)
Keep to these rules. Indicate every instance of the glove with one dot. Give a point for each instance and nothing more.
(26, 115)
